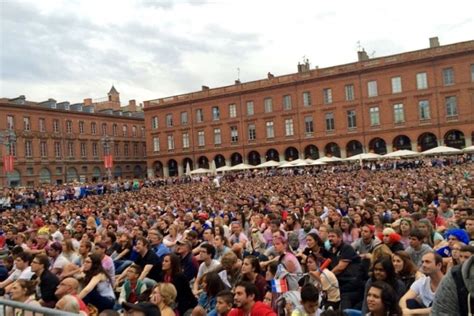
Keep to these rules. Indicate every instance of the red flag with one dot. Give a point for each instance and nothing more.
(8, 163)
(108, 162)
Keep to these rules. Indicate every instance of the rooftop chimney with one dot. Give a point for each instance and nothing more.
(237, 81)
(204, 88)
(434, 42)
(303, 67)
(87, 102)
(362, 55)
(270, 75)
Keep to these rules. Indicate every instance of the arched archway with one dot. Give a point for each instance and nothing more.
(14, 178)
(71, 174)
(45, 176)
(235, 159)
(291, 153)
(254, 158)
(427, 141)
(377, 145)
(158, 169)
(172, 168)
(188, 162)
(203, 162)
(455, 138)
(137, 171)
(333, 150)
(354, 147)
(219, 160)
(272, 154)
(401, 142)
(117, 172)
(311, 152)
(96, 173)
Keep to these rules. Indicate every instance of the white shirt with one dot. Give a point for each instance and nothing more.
(422, 288)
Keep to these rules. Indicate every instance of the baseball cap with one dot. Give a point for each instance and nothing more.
(185, 242)
(149, 309)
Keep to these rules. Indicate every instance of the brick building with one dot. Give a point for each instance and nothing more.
(414, 100)
(58, 142)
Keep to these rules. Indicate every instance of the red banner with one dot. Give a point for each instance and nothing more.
(108, 161)
(8, 163)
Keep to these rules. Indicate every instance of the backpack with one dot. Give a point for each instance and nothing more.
(465, 299)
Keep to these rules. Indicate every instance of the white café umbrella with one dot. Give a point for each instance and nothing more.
(298, 162)
(468, 149)
(287, 164)
(442, 150)
(241, 166)
(223, 168)
(200, 171)
(188, 169)
(367, 156)
(401, 153)
(315, 162)
(329, 159)
(213, 167)
(268, 164)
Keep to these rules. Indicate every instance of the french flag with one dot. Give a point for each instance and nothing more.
(279, 286)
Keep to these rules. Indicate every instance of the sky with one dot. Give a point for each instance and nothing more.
(75, 49)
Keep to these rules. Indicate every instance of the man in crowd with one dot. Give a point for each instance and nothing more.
(208, 263)
(366, 243)
(69, 287)
(188, 263)
(244, 300)
(417, 248)
(48, 281)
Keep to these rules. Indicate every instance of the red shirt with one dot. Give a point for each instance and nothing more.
(258, 309)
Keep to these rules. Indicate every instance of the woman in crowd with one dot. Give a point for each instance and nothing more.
(68, 250)
(433, 238)
(172, 237)
(97, 288)
(314, 245)
(211, 284)
(383, 270)
(164, 296)
(382, 300)
(404, 230)
(349, 232)
(171, 273)
(405, 268)
(392, 239)
(250, 271)
(22, 291)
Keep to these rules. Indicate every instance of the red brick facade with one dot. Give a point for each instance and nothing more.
(423, 99)
(58, 143)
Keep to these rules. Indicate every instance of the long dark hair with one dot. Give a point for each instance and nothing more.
(387, 265)
(389, 298)
(175, 263)
(96, 268)
(214, 284)
(255, 263)
(409, 267)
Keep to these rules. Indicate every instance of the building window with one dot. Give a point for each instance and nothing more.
(372, 88)
(472, 72)
(451, 106)
(306, 98)
(217, 136)
(142, 131)
(134, 131)
(268, 105)
(396, 85)
(126, 152)
(201, 138)
(398, 113)
(95, 150)
(327, 94)
(68, 127)
(13, 149)
(26, 124)
(287, 102)
(199, 116)
(43, 149)
(270, 130)
(81, 127)
(185, 140)
(169, 120)
(28, 149)
(154, 122)
(250, 108)
(10, 122)
(156, 144)
(349, 92)
(216, 114)
(93, 128)
(184, 118)
(448, 76)
(70, 149)
(116, 149)
(308, 125)
(234, 134)
(374, 116)
(83, 150)
(104, 129)
(232, 110)
(56, 126)
(424, 109)
(114, 129)
(124, 130)
(289, 129)
(57, 149)
(421, 80)
(351, 119)
(135, 149)
(329, 121)
(252, 132)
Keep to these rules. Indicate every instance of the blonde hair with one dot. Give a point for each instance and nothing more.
(168, 293)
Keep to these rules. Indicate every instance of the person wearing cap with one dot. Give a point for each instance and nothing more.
(188, 261)
(142, 309)
(58, 261)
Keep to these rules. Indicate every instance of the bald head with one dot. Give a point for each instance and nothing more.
(67, 286)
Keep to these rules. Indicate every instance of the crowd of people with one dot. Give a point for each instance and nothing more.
(366, 239)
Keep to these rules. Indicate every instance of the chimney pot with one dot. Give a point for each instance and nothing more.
(434, 42)
(204, 88)
(362, 55)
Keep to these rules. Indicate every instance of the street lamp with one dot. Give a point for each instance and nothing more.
(108, 161)
(8, 138)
